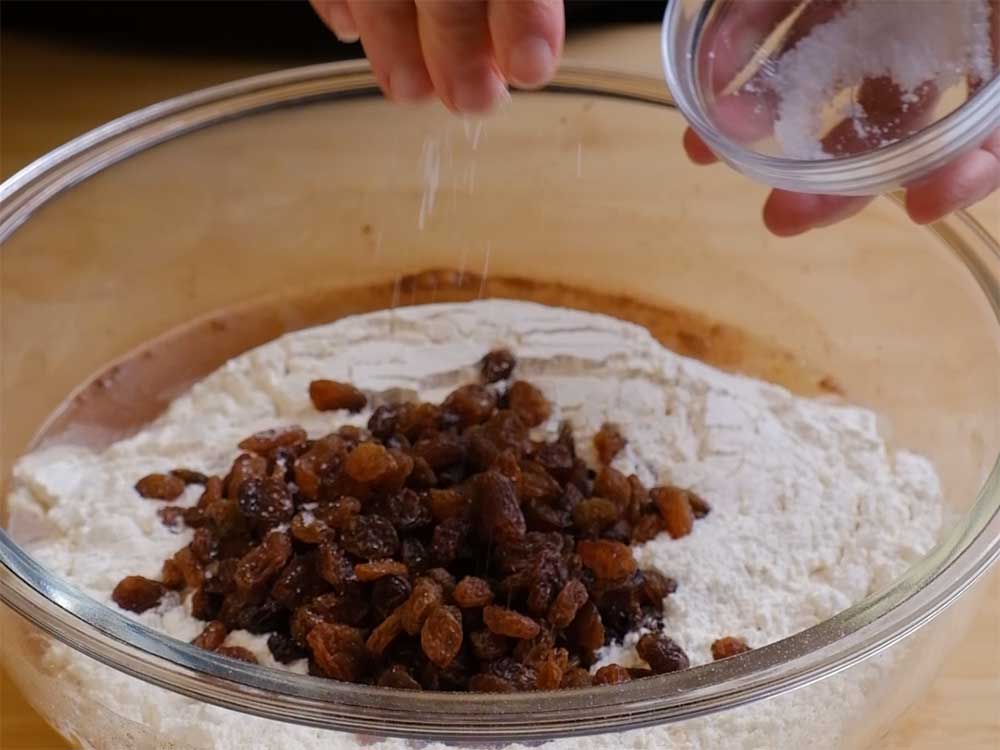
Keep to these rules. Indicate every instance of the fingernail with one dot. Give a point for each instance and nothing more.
(347, 36)
(342, 22)
(532, 63)
(477, 94)
(408, 84)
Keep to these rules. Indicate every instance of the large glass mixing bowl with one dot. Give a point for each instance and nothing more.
(307, 185)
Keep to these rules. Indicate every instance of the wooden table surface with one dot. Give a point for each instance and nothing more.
(54, 91)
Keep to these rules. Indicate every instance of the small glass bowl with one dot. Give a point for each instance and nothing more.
(307, 182)
(776, 90)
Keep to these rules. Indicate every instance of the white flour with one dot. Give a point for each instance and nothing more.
(912, 42)
(811, 510)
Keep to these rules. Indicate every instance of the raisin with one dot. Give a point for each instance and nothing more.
(226, 517)
(674, 505)
(472, 592)
(441, 635)
(414, 554)
(648, 527)
(497, 365)
(587, 630)
(189, 476)
(262, 564)
(388, 593)
(422, 476)
(609, 560)
(445, 504)
(540, 516)
(608, 442)
(384, 634)
(205, 605)
(334, 567)
(171, 516)
(698, 505)
(471, 404)
(529, 403)
(521, 676)
(297, 583)
(330, 395)
(339, 651)
(728, 646)
(490, 683)
(137, 594)
(612, 674)
(309, 529)
(450, 540)
(213, 636)
(190, 569)
(556, 459)
(370, 538)
(614, 486)
(619, 531)
(329, 608)
(171, 576)
(284, 649)
(309, 468)
(506, 430)
(661, 654)
(638, 673)
(203, 546)
(405, 511)
(503, 621)
(372, 571)
(444, 579)
(340, 513)
(537, 484)
(160, 487)
(576, 677)
(440, 450)
(567, 603)
(549, 675)
(426, 595)
(255, 617)
(417, 419)
(245, 467)
(593, 515)
(487, 646)
(499, 516)
(266, 441)
(399, 678)
(655, 588)
(369, 463)
(237, 652)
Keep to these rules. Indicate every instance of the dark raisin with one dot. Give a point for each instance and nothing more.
(422, 476)
(414, 554)
(440, 450)
(556, 459)
(587, 630)
(497, 365)
(529, 403)
(330, 395)
(488, 646)
(370, 537)
(247, 466)
(399, 678)
(608, 442)
(297, 583)
(444, 579)
(541, 516)
(205, 605)
(576, 677)
(266, 502)
(339, 651)
(521, 676)
(137, 594)
(698, 505)
(655, 588)
(661, 654)
(261, 565)
(171, 516)
(160, 487)
(284, 649)
(405, 511)
(537, 484)
(450, 540)
(204, 546)
(334, 566)
(723, 648)
(490, 683)
(213, 636)
(388, 593)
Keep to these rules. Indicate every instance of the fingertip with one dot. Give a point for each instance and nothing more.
(532, 63)
(966, 181)
(527, 38)
(696, 149)
(408, 84)
(787, 214)
(338, 17)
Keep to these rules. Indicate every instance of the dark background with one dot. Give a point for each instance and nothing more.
(259, 28)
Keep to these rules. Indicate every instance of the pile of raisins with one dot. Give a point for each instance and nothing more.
(441, 548)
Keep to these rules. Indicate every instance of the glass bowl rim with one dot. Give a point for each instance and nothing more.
(806, 657)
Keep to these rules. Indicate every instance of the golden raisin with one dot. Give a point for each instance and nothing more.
(372, 571)
(213, 636)
(160, 487)
(369, 463)
(472, 592)
(612, 674)
(503, 621)
(137, 594)
(441, 635)
(237, 652)
(728, 646)
(529, 403)
(608, 442)
(330, 395)
(674, 505)
(609, 560)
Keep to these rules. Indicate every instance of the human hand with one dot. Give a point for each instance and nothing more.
(749, 112)
(464, 51)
